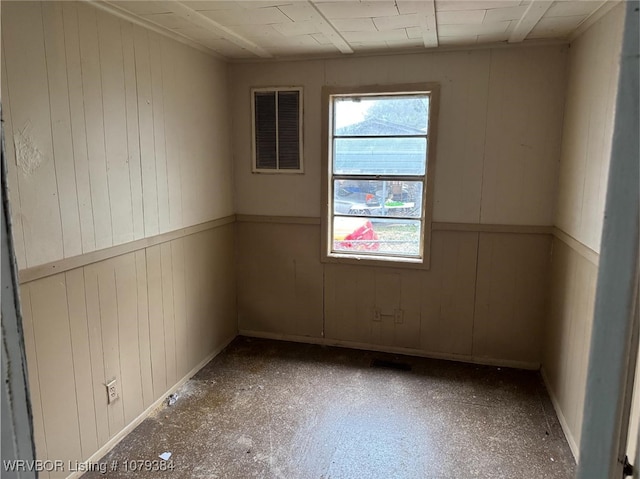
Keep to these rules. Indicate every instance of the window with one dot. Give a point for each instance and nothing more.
(277, 130)
(380, 155)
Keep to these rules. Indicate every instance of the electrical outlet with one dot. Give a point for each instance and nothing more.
(377, 316)
(112, 391)
(398, 316)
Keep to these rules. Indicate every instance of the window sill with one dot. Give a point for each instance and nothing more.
(376, 261)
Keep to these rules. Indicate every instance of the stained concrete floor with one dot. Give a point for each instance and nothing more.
(271, 409)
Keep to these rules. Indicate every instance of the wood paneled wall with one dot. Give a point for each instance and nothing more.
(484, 298)
(568, 335)
(114, 133)
(592, 85)
(146, 318)
(499, 130)
(586, 143)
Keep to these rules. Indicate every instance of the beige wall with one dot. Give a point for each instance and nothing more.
(114, 134)
(148, 318)
(117, 133)
(485, 297)
(498, 130)
(586, 142)
(588, 129)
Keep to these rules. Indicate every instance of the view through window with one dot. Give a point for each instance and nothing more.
(378, 170)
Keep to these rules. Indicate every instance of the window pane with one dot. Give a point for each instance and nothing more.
(381, 115)
(265, 105)
(379, 156)
(288, 130)
(381, 236)
(377, 198)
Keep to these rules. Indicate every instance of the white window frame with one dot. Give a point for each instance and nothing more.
(328, 255)
(254, 162)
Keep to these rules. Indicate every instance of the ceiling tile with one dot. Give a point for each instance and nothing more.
(567, 9)
(354, 24)
(397, 21)
(460, 17)
(322, 39)
(254, 16)
(453, 5)
(258, 31)
(555, 27)
(399, 34)
(344, 9)
(481, 29)
(296, 28)
(414, 32)
(300, 12)
(503, 14)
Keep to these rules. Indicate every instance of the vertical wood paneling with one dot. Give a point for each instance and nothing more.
(27, 80)
(130, 376)
(78, 126)
(144, 336)
(133, 139)
(146, 131)
(524, 128)
(511, 297)
(78, 324)
(61, 127)
(115, 126)
(92, 296)
(94, 123)
(157, 87)
(193, 287)
(180, 306)
(568, 332)
(110, 339)
(12, 171)
(50, 316)
(35, 395)
(168, 315)
(408, 334)
(172, 120)
(97, 112)
(156, 321)
(592, 84)
(125, 318)
(448, 293)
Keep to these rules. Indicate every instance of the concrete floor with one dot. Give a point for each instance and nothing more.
(273, 409)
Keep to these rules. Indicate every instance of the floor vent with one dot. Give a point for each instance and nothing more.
(383, 363)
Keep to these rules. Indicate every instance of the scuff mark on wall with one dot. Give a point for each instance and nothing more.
(28, 157)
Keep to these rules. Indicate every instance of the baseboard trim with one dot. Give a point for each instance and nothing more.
(113, 442)
(575, 450)
(505, 363)
(60, 266)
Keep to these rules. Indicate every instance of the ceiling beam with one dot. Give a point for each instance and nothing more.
(530, 18)
(327, 29)
(207, 23)
(428, 24)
